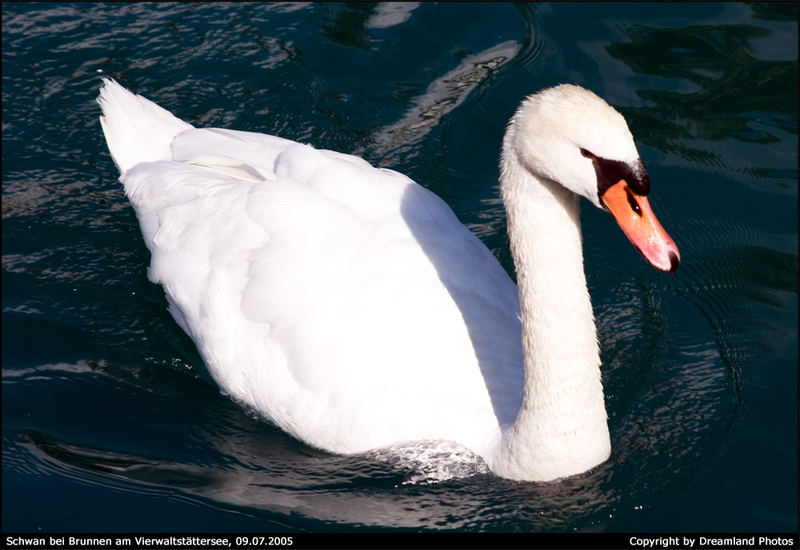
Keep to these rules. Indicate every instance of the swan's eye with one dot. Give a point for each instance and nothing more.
(587, 154)
(632, 201)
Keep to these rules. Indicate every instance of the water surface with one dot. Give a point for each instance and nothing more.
(110, 422)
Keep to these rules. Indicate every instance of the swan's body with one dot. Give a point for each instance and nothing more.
(351, 307)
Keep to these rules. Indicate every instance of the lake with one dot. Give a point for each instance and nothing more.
(110, 422)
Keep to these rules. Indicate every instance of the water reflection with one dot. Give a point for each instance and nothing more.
(443, 95)
(718, 62)
(349, 23)
(274, 476)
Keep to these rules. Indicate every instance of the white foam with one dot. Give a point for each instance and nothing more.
(432, 461)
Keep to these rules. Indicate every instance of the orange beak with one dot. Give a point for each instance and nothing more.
(636, 218)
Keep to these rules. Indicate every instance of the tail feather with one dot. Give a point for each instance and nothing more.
(136, 129)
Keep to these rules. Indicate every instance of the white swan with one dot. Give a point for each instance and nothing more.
(349, 305)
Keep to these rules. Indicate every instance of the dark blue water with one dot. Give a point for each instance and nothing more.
(109, 420)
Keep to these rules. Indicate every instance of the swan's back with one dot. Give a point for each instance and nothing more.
(345, 302)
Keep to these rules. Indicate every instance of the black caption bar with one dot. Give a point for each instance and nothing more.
(402, 539)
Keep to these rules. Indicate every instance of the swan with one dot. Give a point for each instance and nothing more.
(349, 306)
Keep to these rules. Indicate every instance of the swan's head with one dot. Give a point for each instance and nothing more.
(569, 135)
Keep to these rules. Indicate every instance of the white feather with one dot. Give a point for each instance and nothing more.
(351, 307)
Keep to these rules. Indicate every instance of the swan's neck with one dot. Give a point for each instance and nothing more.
(561, 427)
